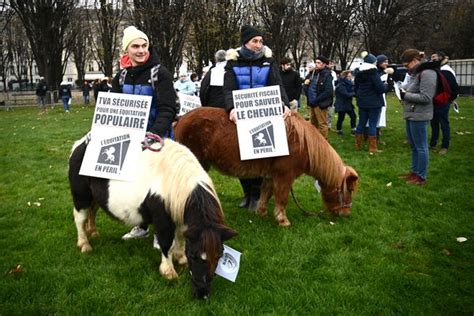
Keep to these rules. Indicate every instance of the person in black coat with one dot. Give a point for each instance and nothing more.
(441, 113)
(291, 81)
(211, 92)
(343, 104)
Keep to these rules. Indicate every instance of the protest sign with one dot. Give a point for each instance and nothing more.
(260, 125)
(188, 103)
(118, 128)
(229, 264)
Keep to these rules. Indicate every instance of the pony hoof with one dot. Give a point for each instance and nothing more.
(85, 248)
(284, 222)
(183, 260)
(94, 233)
(168, 273)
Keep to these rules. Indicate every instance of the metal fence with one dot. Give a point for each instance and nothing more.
(464, 69)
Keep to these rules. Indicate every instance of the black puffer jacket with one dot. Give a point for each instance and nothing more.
(164, 92)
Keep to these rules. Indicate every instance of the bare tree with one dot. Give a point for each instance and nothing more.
(280, 23)
(46, 24)
(384, 23)
(329, 21)
(104, 20)
(215, 27)
(166, 22)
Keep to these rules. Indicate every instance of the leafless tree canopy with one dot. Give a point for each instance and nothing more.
(46, 25)
(166, 22)
(339, 29)
(215, 26)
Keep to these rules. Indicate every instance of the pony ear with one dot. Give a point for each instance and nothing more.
(352, 179)
(227, 233)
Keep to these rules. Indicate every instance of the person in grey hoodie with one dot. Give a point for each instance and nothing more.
(417, 100)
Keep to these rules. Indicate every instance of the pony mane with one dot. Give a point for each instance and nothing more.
(177, 173)
(324, 162)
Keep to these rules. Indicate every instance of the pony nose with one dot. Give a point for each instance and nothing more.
(345, 211)
(202, 294)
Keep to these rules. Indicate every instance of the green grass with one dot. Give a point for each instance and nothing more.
(396, 254)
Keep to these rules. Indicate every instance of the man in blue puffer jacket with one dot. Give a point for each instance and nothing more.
(319, 94)
(135, 78)
(251, 66)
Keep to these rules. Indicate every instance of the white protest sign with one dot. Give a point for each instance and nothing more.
(260, 125)
(118, 128)
(188, 103)
(229, 264)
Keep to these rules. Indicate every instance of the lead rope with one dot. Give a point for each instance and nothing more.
(305, 212)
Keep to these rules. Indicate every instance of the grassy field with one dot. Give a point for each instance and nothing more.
(396, 254)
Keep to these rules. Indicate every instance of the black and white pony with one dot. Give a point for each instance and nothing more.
(171, 191)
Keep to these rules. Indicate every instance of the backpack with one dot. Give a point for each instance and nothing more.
(153, 76)
(443, 90)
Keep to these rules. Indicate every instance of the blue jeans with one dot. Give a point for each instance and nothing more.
(417, 132)
(440, 118)
(65, 103)
(371, 115)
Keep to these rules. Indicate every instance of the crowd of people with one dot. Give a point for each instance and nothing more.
(252, 65)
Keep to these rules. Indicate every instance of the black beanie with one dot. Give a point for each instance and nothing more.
(323, 59)
(247, 33)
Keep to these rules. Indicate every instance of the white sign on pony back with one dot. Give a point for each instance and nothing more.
(260, 125)
(118, 128)
(188, 103)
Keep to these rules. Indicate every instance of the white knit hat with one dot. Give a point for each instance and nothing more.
(130, 34)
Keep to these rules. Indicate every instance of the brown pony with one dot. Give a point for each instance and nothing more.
(212, 137)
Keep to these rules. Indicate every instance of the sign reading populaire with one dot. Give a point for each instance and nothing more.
(188, 103)
(118, 128)
(260, 125)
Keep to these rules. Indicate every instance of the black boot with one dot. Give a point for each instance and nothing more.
(253, 201)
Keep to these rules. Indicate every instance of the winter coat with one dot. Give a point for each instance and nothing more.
(213, 95)
(41, 88)
(242, 73)
(292, 83)
(186, 87)
(344, 94)
(418, 99)
(86, 88)
(163, 107)
(64, 90)
(369, 88)
(320, 90)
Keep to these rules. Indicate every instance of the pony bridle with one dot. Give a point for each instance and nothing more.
(340, 194)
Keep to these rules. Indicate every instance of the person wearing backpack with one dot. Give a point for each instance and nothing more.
(417, 100)
(441, 113)
(142, 74)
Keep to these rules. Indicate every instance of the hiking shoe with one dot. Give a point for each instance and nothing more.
(156, 245)
(339, 132)
(443, 151)
(136, 232)
(417, 181)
